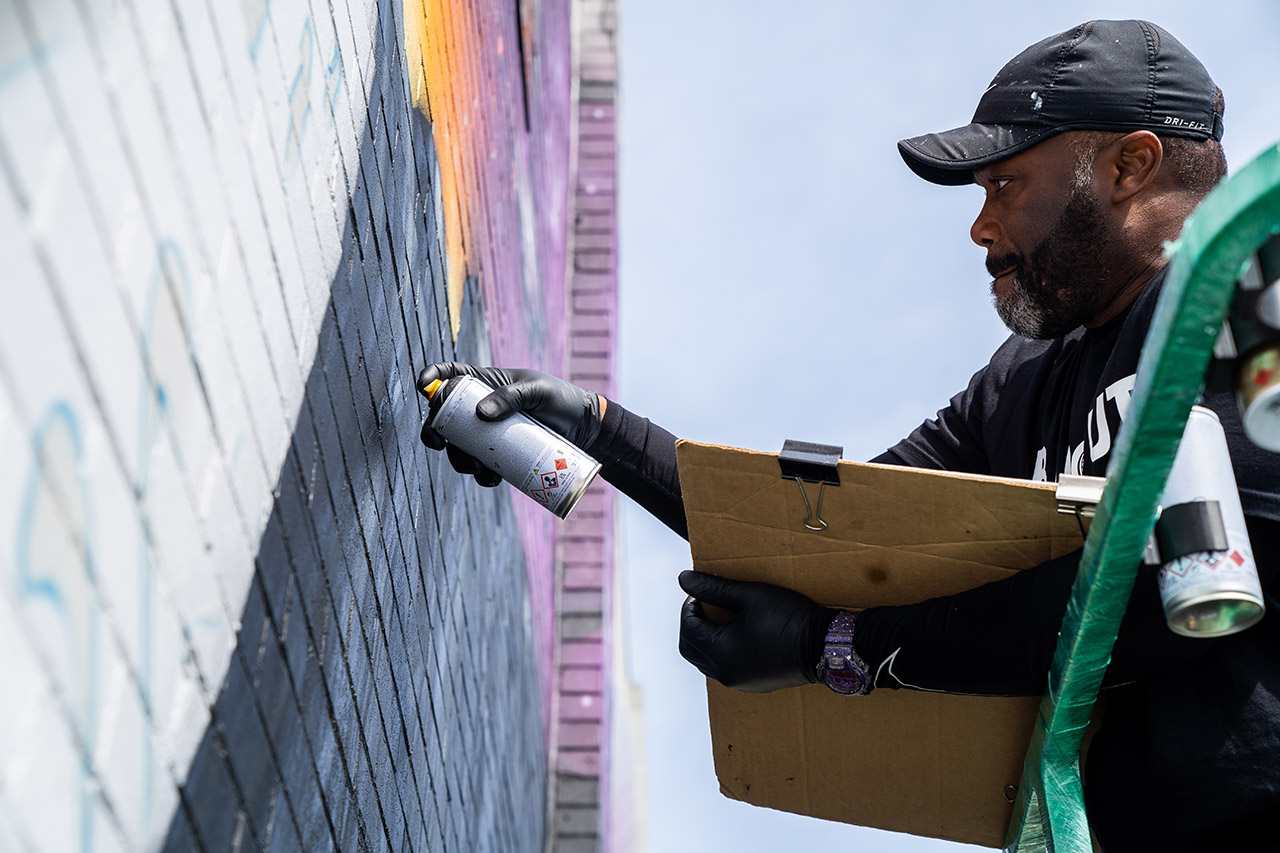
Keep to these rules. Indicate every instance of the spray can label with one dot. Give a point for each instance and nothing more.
(1259, 393)
(1209, 593)
(540, 463)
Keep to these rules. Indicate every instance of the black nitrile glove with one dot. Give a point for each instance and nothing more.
(775, 639)
(561, 406)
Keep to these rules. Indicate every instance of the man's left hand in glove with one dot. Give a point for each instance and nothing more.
(775, 639)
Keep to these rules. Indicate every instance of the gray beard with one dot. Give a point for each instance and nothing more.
(1065, 280)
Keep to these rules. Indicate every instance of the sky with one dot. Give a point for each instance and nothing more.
(784, 275)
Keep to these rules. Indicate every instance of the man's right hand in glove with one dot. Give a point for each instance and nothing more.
(562, 407)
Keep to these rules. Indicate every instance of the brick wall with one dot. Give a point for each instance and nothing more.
(241, 607)
(583, 805)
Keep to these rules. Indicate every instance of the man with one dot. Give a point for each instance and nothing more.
(1092, 146)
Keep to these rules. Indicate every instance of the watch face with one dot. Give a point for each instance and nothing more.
(840, 675)
(841, 669)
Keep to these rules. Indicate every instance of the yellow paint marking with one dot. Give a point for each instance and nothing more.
(439, 65)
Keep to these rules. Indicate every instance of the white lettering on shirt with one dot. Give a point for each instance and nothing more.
(1101, 422)
(1099, 440)
(1075, 460)
(1118, 388)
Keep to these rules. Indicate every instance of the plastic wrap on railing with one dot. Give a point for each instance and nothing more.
(1216, 241)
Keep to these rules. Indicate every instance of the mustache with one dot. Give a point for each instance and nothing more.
(1003, 263)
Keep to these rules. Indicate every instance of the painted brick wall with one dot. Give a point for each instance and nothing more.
(240, 606)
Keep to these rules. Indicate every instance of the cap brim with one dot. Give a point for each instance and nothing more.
(949, 158)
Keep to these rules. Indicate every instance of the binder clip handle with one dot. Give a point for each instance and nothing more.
(806, 462)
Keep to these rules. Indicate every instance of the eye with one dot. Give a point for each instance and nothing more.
(999, 183)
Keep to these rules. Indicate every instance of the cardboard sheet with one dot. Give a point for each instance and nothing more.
(903, 760)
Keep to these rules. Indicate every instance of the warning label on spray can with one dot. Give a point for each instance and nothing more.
(1217, 592)
(540, 463)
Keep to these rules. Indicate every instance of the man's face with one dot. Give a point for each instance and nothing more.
(1049, 240)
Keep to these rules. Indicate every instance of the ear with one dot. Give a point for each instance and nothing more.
(1132, 162)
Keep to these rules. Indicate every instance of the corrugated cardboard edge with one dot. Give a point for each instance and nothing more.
(937, 765)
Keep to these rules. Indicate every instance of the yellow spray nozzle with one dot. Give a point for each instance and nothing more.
(432, 388)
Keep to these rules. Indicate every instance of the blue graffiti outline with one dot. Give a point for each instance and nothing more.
(38, 55)
(60, 411)
(166, 248)
(151, 420)
(256, 40)
(333, 74)
(294, 132)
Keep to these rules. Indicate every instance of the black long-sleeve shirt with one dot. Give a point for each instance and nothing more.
(1188, 757)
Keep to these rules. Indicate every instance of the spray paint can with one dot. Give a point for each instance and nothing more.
(1259, 390)
(540, 463)
(1217, 592)
(1252, 338)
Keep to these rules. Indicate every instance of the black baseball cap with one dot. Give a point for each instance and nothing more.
(1102, 75)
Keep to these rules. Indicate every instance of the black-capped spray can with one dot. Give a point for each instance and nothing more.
(1209, 593)
(540, 463)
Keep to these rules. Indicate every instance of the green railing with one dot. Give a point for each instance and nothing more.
(1216, 242)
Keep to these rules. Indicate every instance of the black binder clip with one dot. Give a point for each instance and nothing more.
(1190, 527)
(806, 462)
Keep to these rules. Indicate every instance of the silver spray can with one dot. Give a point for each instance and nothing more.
(1259, 393)
(1209, 593)
(540, 463)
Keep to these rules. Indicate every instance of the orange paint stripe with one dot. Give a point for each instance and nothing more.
(442, 52)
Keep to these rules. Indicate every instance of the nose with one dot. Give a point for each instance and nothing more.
(985, 230)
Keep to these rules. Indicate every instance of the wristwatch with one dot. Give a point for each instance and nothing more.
(840, 667)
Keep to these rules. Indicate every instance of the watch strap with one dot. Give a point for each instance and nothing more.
(840, 667)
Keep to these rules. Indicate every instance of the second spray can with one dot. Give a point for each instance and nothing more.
(540, 463)
(1209, 593)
